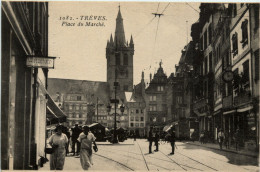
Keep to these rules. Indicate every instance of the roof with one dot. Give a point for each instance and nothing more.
(90, 89)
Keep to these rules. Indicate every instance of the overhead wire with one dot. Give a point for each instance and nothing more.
(144, 27)
(158, 7)
(192, 7)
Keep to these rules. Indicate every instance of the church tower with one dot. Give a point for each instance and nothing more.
(119, 55)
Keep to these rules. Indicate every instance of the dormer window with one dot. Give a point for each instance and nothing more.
(244, 40)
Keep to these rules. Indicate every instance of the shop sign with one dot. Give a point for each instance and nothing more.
(40, 62)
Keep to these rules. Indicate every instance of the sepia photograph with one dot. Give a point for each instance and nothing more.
(129, 86)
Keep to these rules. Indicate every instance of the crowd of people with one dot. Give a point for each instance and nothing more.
(81, 137)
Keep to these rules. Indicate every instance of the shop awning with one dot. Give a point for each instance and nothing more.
(245, 109)
(228, 112)
(54, 113)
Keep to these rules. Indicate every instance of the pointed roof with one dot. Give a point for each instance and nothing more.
(131, 40)
(111, 39)
(119, 33)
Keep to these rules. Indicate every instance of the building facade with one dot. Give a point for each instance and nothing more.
(156, 100)
(135, 103)
(24, 89)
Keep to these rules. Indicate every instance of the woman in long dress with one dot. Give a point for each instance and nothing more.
(86, 139)
(59, 142)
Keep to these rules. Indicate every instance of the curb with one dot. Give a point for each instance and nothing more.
(241, 153)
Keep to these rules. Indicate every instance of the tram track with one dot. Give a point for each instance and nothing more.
(143, 156)
(197, 161)
(173, 161)
(125, 166)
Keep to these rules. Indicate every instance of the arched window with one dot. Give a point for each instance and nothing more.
(117, 59)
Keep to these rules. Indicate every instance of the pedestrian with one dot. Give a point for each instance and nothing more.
(237, 139)
(156, 141)
(134, 136)
(172, 141)
(75, 134)
(86, 138)
(58, 142)
(150, 139)
(226, 139)
(221, 137)
(202, 137)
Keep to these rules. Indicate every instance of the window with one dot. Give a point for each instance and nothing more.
(142, 111)
(210, 34)
(256, 53)
(236, 82)
(141, 124)
(201, 43)
(256, 16)
(160, 88)
(152, 108)
(206, 66)
(70, 107)
(132, 118)
(234, 44)
(210, 62)
(125, 59)
(142, 119)
(152, 98)
(137, 111)
(77, 107)
(78, 98)
(205, 39)
(136, 124)
(117, 58)
(179, 99)
(244, 40)
(125, 87)
(245, 76)
(132, 124)
(234, 9)
(136, 118)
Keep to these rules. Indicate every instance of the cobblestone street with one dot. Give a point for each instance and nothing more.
(133, 155)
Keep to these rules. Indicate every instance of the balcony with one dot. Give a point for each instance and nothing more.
(242, 98)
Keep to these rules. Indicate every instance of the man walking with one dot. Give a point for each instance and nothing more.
(75, 134)
(220, 138)
(172, 141)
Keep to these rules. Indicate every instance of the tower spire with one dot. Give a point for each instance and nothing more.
(119, 33)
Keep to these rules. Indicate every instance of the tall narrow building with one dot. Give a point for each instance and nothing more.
(119, 55)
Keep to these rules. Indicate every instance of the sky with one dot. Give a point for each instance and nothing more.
(81, 50)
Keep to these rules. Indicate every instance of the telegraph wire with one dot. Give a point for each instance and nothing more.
(144, 27)
(192, 7)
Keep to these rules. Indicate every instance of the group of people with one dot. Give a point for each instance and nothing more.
(154, 137)
(225, 138)
(59, 141)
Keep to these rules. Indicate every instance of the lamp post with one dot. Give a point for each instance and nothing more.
(122, 108)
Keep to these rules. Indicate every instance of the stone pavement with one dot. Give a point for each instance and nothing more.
(231, 149)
